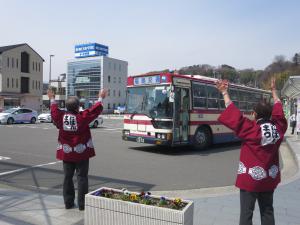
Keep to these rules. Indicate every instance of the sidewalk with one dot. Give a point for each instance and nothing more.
(27, 208)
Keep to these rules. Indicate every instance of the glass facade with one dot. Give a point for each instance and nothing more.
(84, 79)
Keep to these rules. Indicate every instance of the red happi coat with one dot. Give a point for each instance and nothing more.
(259, 157)
(74, 139)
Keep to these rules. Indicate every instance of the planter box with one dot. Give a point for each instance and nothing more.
(107, 211)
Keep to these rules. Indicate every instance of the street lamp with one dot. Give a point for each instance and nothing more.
(50, 69)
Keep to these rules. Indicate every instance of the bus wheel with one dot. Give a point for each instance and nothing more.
(202, 138)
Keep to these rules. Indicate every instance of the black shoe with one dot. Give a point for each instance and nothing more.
(81, 208)
(69, 206)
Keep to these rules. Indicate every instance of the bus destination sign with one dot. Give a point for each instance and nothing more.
(147, 80)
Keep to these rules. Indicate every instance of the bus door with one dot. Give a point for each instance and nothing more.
(181, 115)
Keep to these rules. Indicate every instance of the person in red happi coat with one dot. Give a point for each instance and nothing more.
(258, 172)
(75, 145)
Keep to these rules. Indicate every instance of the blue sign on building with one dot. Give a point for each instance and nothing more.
(91, 49)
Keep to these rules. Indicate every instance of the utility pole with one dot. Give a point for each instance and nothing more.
(50, 69)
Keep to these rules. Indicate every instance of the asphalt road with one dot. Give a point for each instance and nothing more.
(27, 160)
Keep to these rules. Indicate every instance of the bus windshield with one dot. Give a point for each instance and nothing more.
(151, 101)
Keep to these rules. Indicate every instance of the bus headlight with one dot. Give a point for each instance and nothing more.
(163, 136)
(126, 132)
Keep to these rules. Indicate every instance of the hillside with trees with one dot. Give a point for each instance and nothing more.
(281, 68)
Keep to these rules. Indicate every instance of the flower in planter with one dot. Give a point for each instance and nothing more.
(176, 203)
(147, 199)
(133, 198)
(162, 201)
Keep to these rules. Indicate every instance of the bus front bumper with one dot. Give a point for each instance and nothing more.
(146, 140)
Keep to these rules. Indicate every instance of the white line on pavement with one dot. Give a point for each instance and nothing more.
(4, 158)
(27, 168)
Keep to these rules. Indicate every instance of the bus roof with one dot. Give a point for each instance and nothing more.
(169, 77)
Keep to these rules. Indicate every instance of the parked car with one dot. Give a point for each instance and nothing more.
(119, 110)
(18, 115)
(45, 117)
(96, 122)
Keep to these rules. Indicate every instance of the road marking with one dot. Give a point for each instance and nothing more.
(4, 158)
(28, 168)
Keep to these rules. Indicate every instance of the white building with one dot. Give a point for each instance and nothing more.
(21, 77)
(86, 76)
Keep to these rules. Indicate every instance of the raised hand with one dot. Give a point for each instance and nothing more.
(222, 85)
(103, 93)
(273, 83)
(50, 93)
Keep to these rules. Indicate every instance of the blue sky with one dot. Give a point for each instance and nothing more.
(156, 34)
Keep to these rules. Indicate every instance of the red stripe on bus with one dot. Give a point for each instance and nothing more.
(142, 122)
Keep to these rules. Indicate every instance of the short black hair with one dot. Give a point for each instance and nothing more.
(263, 110)
(72, 104)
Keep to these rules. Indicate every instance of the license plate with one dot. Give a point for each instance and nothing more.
(140, 140)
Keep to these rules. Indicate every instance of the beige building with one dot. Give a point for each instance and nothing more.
(21, 77)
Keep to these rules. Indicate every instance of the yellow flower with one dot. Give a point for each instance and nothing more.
(177, 200)
(133, 197)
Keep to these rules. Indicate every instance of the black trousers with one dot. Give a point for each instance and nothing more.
(265, 202)
(81, 169)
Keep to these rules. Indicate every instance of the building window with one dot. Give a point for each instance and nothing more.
(32, 84)
(32, 65)
(17, 83)
(39, 84)
(24, 62)
(108, 105)
(12, 62)
(39, 67)
(114, 93)
(119, 93)
(24, 84)
(7, 82)
(108, 92)
(120, 80)
(36, 87)
(114, 106)
(36, 68)
(7, 61)
(12, 83)
(17, 62)
(108, 78)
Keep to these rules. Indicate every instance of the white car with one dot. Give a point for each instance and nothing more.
(45, 117)
(96, 122)
(18, 115)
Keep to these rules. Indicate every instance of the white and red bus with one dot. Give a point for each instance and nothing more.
(172, 109)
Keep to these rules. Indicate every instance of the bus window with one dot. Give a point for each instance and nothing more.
(199, 102)
(234, 95)
(212, 97)
(250, 106)
(199, 90)
(243, 106)
(222, 104)
(244, 96)
(199, 96)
